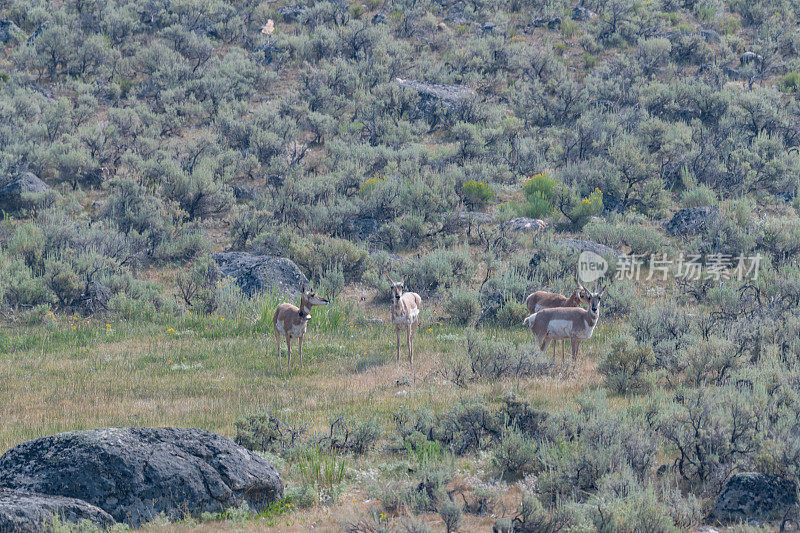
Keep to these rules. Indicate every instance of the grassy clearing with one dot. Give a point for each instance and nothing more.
(210, 371)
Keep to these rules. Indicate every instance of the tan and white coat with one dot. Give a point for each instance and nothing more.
(561, 323)
(292, 321)
(405, 315)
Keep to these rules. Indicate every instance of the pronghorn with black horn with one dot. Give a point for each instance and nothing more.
(561, 323)
(547, 300)
(405, 315)
(291, 321)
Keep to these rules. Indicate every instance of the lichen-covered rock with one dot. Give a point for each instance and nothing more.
(23, 191)
(691, 220)
(755, 498)
(135, 474)
(261, 273)
(28, 512)
(9, 31)
(436, 97)
(525, 224)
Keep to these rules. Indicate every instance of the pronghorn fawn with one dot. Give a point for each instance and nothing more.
(547, 300)
(291, 321)
(405, 315)
(561, 323)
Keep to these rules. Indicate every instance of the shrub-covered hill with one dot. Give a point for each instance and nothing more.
(469, 147)
(323, 131)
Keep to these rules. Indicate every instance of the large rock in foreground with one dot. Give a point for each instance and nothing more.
(134, 474)
(755, 498)
(29, 512)
(261, 273)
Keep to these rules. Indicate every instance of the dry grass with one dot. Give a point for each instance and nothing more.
(209, 372)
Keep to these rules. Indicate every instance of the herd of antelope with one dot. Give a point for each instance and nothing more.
(553, 317)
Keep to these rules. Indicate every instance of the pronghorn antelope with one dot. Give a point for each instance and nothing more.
(405, 315)
(547, 300)
(291, 321)
(573, 323)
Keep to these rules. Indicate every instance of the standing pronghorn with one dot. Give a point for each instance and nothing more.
(547, 300)
(291, 321)
(573, 323)
(405, 315)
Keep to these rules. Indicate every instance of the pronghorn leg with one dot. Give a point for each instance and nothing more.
(410, 336)
(397, 333)
(278, 343)
(575, 345)
(300, 351)
(289, 349)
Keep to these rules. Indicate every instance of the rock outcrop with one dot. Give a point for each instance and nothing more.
(261, 273)
(691, 221)
(755, 498)
(28, 512)
(135, 474)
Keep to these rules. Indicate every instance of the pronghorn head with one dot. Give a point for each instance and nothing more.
(594, 301)
(310, 298)
(581, 293)
(397, 288)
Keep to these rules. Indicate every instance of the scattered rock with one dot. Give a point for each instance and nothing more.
(9, 31)
(552, 24)
(96, 298)
(707, 529)
(691, 220)
(37, 32)
(734, 73)
(457, 14)
(134, 474)
(582, 14)
(525, 224)
(441, 26)
(709, 35)
(581, 245)
(260, 273)
(373, 322)
(25, 512)
(24, 191)
(458, 220)
(292, 13)
(488, 27)
(364, 227)
(755, 498)
(750, 57)
(379, 18)
(435, 96)
(401, 393)
(244, 192)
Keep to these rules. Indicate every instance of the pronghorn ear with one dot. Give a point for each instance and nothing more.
(390, 279)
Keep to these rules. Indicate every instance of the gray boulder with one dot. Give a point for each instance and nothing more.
(135, 474)
(434, 96)
(525, 224)
(292, 13)
(24, 191)
(750, 57)
(9, 31)
(28, 512)
(581, 245)
(582, 14)
(261, 273)
(755, 498)
(691, 220)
